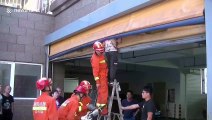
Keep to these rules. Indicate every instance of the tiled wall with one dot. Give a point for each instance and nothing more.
(22, 35)
(78, 10)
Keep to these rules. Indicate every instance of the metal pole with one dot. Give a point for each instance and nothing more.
(47, 61)
(208, 24)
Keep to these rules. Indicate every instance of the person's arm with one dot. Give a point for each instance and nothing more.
(72, 111)
(150, 110)
(149, 115)
(12, 107)
(131, 107)
(63, 110)
(52, 110)
(114, 42)
(87, 100)
(12, 104)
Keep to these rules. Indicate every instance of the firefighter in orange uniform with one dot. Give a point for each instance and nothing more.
(44, 107)
(100, 73)
(70, 108)
(85, 100)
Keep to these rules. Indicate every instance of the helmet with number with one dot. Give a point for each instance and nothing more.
(98, 46)
(80, 89)
(85, 84)
(42, 83)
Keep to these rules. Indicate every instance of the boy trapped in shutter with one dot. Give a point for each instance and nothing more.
(111, 53)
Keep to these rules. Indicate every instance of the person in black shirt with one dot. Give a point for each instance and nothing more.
(147, 107)
(129, 114)
(7, 104)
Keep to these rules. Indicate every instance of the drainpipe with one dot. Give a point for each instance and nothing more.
(208, 26)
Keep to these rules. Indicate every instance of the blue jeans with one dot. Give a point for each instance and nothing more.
(132, 118)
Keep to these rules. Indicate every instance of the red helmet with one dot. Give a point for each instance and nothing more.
(80, 89)
(42, 83)
(86, 84)
(98, 46)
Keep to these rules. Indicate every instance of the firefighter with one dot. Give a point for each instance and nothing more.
(100, 73)
(70, 108)
(85, 100)
(44, 107)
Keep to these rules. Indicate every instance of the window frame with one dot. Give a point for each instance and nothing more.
(12, 76)
(204, 80)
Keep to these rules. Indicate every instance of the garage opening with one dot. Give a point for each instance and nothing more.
(173, 70)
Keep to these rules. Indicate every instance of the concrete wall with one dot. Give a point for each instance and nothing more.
(22, 40)
(78, 10)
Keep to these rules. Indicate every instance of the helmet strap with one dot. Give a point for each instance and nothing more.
(81, 96)
(44, 90)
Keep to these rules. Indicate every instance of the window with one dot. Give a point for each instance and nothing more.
(28, 5)
(70, 84)
(21, 77)
(5, 73)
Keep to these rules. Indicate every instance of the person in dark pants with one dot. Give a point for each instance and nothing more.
(7, 104)
(129, 114)
(147, 107)
(111, 53)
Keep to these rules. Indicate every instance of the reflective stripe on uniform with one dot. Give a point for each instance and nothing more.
(97, 104)
(80, 107)
(102, 61)
(39, 108)
(80, 103)
(100, 105)
(96, 78)
(65, 103)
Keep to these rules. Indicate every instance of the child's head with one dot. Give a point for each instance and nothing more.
(55, 94)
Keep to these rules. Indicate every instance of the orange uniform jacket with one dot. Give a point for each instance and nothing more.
(99, 66)
(85, 101)
(68, 110)
(44, 108)
(100, 73)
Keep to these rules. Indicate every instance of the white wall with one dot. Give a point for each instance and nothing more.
(194, 100)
